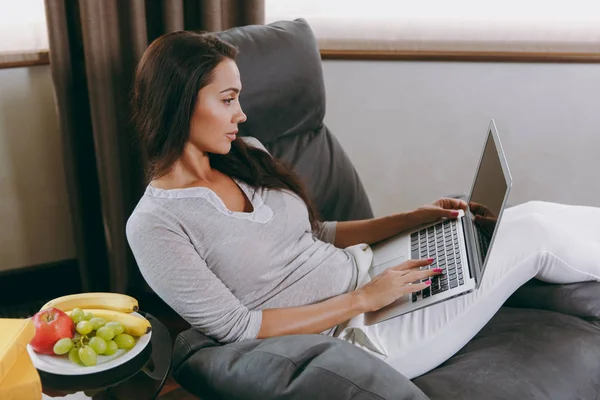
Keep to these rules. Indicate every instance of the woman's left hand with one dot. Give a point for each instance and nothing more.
(442, 208)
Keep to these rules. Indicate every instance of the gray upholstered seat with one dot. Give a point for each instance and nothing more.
(546, 345)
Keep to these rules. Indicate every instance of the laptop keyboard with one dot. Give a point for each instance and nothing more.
(441, 243)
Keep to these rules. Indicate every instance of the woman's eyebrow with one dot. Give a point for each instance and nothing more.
(233, 89)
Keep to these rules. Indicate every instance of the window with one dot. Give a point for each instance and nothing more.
(23, 32)
(509, 10)
(529, 26)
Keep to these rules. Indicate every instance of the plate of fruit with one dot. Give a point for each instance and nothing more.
(87, 333)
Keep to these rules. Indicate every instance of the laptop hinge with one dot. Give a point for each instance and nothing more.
(470, 246)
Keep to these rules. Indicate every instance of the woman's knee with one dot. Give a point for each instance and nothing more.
(523, 243)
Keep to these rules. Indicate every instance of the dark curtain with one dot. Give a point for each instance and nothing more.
(94, 48)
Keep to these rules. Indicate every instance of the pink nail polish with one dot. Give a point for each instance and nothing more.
(437, 270)
(455, 213)
(430, 259)
(427, 283)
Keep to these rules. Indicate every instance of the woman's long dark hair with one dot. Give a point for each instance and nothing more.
(168, 78)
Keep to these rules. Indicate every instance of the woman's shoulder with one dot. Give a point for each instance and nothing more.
(147, 215)
(171, 211)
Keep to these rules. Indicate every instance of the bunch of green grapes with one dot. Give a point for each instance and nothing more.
(95, 336)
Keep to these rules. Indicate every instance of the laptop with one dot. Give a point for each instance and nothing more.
(460, 246)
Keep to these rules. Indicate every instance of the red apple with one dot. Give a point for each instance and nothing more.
(51, 325)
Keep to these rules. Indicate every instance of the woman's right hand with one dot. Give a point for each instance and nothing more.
(394, 283)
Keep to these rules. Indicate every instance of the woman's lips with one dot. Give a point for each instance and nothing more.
(231, 135)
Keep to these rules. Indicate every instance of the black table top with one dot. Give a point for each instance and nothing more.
(142, 377)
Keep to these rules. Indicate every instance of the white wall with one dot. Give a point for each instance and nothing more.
(35, 224)
(415, 130)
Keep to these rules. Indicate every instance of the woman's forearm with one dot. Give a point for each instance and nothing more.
(349, 233)
(314, 318)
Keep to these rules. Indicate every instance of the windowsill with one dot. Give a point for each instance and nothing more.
(452, 39)
(25, 59)
(491, 56)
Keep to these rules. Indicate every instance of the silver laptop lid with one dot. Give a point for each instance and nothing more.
(486, 202)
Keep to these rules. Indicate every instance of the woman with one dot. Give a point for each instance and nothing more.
(226, 236)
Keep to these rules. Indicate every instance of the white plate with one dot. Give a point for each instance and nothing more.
(61, 365)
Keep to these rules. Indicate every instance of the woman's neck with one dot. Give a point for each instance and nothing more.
(191, 169)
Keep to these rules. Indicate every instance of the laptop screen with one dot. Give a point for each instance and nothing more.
(487, 196)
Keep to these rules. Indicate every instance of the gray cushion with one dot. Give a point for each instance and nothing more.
(577, 299)
(343, 200)
(522, 354)
(284, 98)
(285, 367)
(282, 78)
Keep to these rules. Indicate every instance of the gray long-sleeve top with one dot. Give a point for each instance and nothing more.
(218, 269)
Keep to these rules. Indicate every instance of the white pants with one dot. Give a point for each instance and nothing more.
(553, 242)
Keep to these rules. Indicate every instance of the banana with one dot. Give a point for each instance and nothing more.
(134, 325)
(96, 300)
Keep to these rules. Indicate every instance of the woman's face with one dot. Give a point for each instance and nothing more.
(215, 120)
